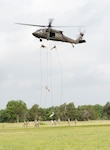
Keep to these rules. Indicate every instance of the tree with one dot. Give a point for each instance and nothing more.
(15, 110)
(98, 111)
(106, 110)
(3, 116)
(33, 112)
(42, 114)
(86, 112)
(70, 108)
(63, 112)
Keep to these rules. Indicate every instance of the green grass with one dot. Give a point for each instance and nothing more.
(91, 135)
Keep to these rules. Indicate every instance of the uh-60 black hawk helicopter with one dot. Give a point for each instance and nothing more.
(47, 32)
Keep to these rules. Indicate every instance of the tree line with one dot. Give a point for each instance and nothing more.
(17, 111)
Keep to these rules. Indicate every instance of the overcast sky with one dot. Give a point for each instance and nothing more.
(80, 74)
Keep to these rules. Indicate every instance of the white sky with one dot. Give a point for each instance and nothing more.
(81, 76)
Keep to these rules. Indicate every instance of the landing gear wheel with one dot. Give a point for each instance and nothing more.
(40, 40)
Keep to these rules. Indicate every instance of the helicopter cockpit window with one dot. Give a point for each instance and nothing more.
(52, 34)
(61, 32)
(39, 31)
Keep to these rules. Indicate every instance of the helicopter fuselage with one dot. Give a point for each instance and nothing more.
(52, 34)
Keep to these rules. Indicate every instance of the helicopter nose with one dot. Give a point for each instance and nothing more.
(34, 34)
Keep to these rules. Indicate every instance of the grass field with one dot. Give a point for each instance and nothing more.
(91, 135)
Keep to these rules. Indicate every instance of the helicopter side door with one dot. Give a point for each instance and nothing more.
(52, 35)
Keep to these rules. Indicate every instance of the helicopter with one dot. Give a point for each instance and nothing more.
(47, 32)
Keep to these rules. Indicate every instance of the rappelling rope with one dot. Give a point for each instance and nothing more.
(47, 80)
(40, 76)
(61, 76)
(50, 74)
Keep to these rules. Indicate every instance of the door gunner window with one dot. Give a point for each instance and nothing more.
(52, 34)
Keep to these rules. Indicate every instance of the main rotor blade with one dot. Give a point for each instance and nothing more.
(31, 25)
(50, 22)
(68, 26)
